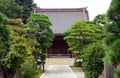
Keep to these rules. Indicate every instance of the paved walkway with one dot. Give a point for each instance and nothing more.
(59, 61)
(80, 74)
(59, 71)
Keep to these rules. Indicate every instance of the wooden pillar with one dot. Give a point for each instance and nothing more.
(108, 71)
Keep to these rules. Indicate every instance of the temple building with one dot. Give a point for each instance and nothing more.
(62, 19)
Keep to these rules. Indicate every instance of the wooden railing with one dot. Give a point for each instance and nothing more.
(60, 55)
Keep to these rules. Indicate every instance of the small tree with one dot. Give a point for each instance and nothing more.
(82, 37)
(17, 48)
(40, 31)
(4, 41)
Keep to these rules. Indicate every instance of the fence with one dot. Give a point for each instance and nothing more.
(60, 55)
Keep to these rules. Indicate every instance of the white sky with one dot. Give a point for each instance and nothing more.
(95, 7)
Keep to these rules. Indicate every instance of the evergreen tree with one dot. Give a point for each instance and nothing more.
(92, 60)
(4, 41)
(10, 8)
(41, 34)
(18, 48)
(83, 38)
(101, 20)
(15, 50)
(28, 7)
(80, 34)
(112, 39)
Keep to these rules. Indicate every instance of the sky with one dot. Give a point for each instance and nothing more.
(94, 7)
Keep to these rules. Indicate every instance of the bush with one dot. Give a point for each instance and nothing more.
(29, 68)
(78, 64)
(117, 73)
(92, 60)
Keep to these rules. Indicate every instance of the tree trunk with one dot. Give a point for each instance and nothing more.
(3, 73)
(109, 71)
(43, 67)
(10, 76)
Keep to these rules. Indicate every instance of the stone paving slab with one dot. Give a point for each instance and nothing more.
(80, 74)
(59, 71)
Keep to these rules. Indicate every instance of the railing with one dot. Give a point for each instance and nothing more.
(60, 55)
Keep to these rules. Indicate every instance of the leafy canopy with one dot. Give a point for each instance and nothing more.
(80, 34)
(112, 38)
(82, 39)
(42, 35)
(10, 8)
(92, 60)
(18, 47)
(27, 7)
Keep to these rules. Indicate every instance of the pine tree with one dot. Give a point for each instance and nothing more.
(27, 6)
(84, 38)
(10, 8)
(41, 34)
(112, 39)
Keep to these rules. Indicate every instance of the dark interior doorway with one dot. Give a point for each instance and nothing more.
(59, 47)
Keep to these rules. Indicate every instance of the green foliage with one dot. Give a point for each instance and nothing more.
(113, 28)
(117, 73)
(112, 55)
(28, 68)
(82, 39)
(27, 7)
(78, 64)
(4, 41)
(18, 49)
(100, 20)
(3, 18)
(112, 39)
(92, 60)
(39, 20)
(10, 8)
(14, 58)
(17, 8)
(4, 36)
(113, 12)
(80, 34)
(40, 33)
(14, 49)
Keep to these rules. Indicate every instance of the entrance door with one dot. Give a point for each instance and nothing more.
(59, 48)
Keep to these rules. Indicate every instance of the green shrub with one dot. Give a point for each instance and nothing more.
(29, 68)
(92, 60)
(117, 73)
(78, 64)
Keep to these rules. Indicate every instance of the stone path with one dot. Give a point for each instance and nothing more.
(59, 61)
(59, 67)
(59, 71)
(80, 74)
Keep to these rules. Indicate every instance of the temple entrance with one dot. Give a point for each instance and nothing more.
(59, 48)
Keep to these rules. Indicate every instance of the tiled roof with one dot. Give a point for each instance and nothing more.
(61, 9)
